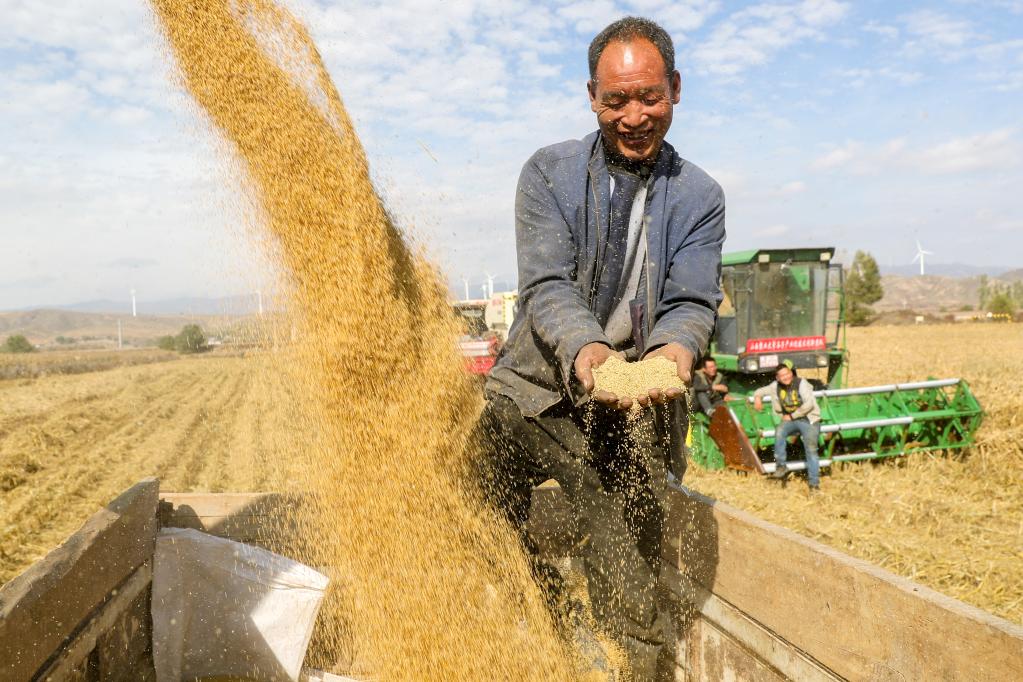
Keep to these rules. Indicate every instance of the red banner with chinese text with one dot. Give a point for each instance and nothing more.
(786, 344)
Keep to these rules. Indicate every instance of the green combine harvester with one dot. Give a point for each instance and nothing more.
(788, 304)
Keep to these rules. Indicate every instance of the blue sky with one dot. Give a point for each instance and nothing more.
(862, 125)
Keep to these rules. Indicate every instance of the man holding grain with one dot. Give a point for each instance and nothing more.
(619, 251)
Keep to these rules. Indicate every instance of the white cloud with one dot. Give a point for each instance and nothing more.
(752, 36)
(589, 16)
(884, 30)
(933, 30)
(772, 231)
(98, 140)
(860, 77)
(996, 150)
(1012, 6)
(733, 182)
(130, 115)
(677, 17)
(987, 151)
(839, 156)
(1001, 64)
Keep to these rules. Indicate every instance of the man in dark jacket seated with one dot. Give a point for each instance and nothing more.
(709, 389)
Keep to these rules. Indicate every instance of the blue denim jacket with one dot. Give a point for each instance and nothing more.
(562, 212)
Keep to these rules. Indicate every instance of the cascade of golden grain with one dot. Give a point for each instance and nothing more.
(441, 591)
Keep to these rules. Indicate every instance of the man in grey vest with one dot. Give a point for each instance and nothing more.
(793, 401)
(619, 253)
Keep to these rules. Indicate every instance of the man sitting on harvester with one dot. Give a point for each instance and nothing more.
(709, 389)
(619, 254)
(792, 398)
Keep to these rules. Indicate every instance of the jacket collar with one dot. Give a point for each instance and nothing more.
(598, 161)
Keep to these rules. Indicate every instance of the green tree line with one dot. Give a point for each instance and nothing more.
(190, 339)
(17, 343)
(1000, 298)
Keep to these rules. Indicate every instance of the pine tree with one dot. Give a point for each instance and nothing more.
(862, 288)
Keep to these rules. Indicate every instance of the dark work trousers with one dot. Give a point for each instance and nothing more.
(615, 481)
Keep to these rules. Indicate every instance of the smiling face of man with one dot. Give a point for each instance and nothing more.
(633, 98)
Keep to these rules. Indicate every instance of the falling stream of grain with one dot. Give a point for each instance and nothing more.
(439, 590)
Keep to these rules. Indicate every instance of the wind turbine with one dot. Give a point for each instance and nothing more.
(134, 313)
(920, 253)
(465, 281)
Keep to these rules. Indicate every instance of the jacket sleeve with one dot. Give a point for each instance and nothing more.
(687, 309)
(547, 268)
(807, 401)
(765, 391)
(770, 391)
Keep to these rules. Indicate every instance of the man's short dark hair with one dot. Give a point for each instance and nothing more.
(628, 29)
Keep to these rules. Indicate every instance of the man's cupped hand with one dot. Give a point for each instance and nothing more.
(593, 355)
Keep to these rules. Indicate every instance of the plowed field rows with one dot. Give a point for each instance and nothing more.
(68, 444)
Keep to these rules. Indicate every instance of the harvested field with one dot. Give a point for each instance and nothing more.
(70, 443)
(952, 523)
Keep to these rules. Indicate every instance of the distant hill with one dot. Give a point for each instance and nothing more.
(227, 305)
(935, 292)
(930, 292)
(100, 329)
(1012, 275)
(945, 270)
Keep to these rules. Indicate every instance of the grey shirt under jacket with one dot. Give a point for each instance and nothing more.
(562, 210)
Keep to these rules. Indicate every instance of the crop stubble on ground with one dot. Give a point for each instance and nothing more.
(68, 444)
(954, 523)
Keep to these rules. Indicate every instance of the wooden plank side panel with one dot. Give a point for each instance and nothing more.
(48, 603)
(858, 620)
(244, 517)
(711, 654)
(124, 653)
(758, 642)
(115, 641)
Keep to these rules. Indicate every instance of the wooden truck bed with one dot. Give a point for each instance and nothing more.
(757, 602)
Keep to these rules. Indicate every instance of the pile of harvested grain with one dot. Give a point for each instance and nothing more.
(439, 588)
(634, 379)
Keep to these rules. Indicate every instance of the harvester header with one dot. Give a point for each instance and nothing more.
(789, 305)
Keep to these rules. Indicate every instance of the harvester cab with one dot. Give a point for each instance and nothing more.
(788, 304)
(780, 305)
